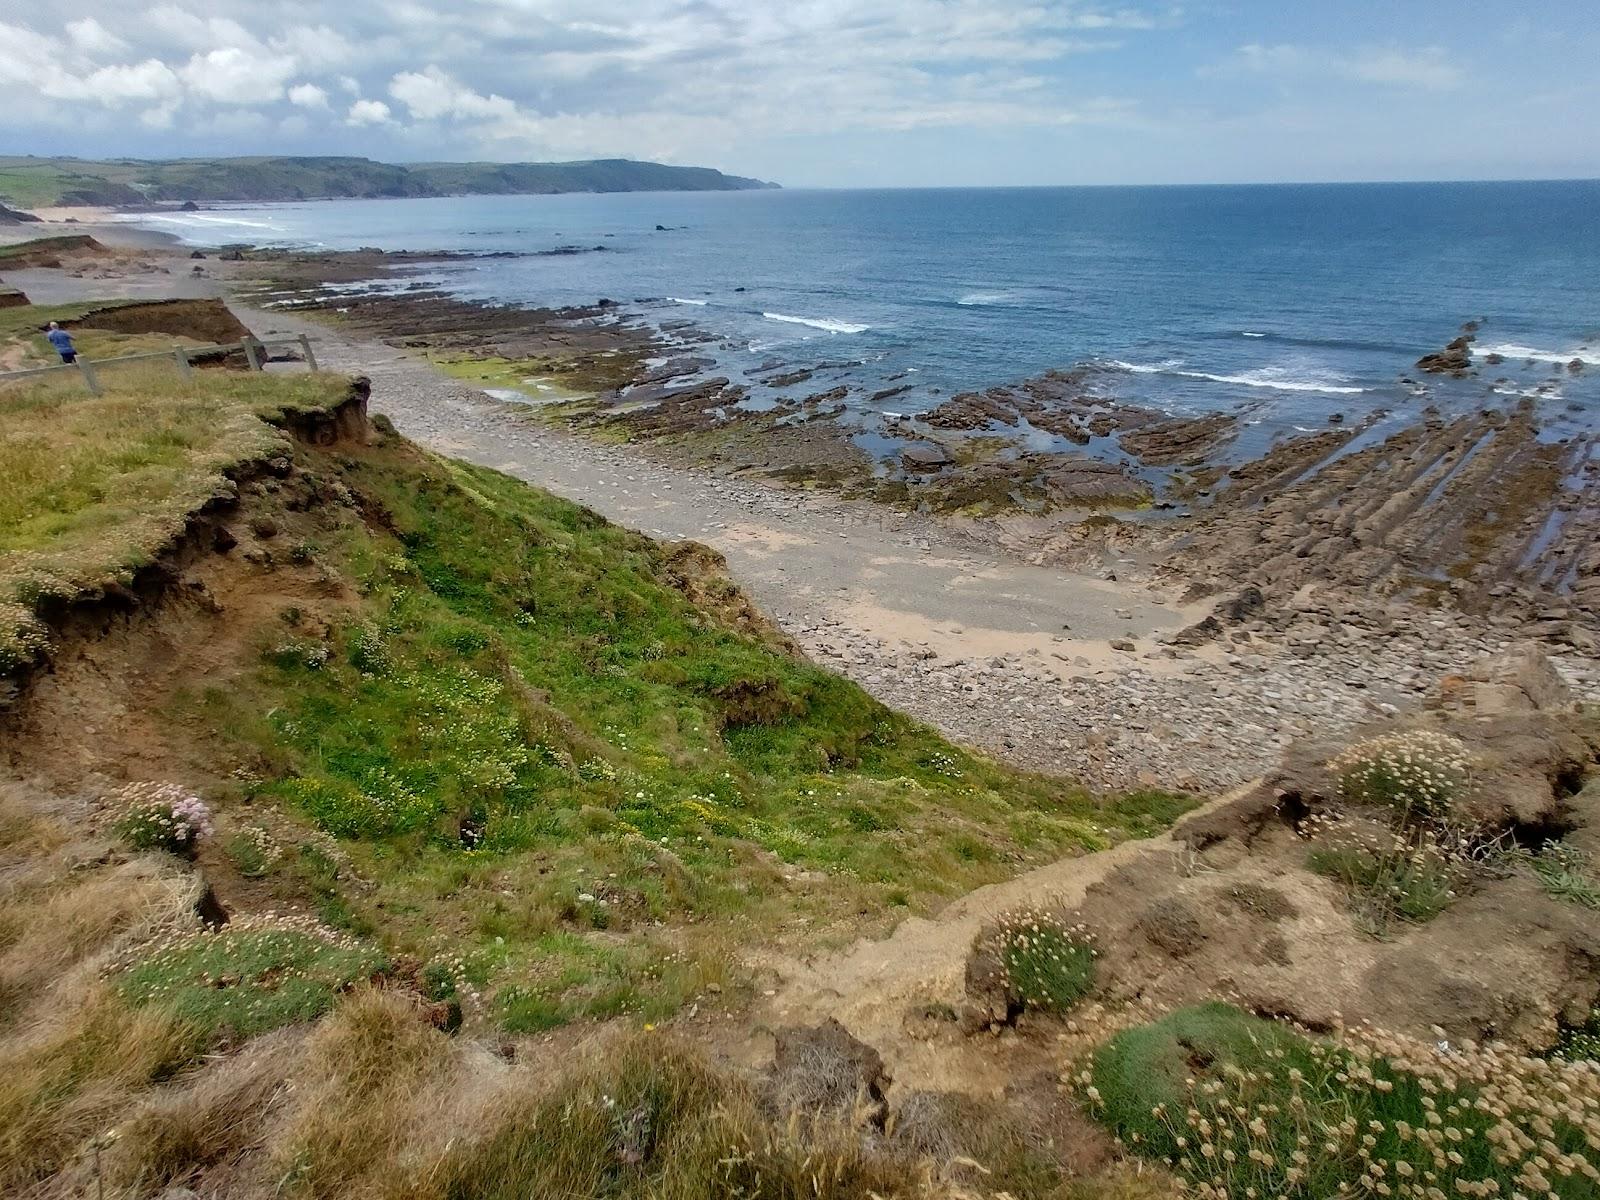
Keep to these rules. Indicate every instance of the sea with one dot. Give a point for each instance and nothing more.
(1285, 304)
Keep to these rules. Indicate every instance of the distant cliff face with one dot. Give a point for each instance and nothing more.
(64, 181)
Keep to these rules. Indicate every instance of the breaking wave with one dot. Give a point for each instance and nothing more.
(1257, 379)
(818, 323)
(985, 299)
(681, 300)
(198, 219)
(1584, 354)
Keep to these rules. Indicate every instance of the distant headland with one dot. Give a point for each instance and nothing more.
(40, 182)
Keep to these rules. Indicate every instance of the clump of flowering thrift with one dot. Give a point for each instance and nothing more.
(255, 973)
(162, 816)
(1045, 963)
(1417, 773)
(254, 851)
(1271, 1112)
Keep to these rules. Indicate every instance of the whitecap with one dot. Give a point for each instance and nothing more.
(681, 300)
(818, 323)
(1160, 368)
(1248, 334)
(1257, 379)
(1583, 354)
(985, 299)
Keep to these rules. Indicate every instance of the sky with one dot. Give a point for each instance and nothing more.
(828, 93)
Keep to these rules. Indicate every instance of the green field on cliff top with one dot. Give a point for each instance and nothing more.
(29, 182)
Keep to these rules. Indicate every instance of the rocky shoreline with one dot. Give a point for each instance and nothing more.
(1482, 512)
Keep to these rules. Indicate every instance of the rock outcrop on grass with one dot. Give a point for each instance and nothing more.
(1268, 902)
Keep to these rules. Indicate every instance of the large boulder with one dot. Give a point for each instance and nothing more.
(1453, 359)
(925, 456)
(1522, 680)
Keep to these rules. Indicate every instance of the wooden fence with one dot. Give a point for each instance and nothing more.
(255, 352)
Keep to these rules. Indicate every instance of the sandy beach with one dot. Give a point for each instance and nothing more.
(99, 223)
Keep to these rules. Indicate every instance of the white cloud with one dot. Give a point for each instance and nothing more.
(1428, 69)
(430, 95)
(315, 47)
(91, 37)
(159, 118)
(308, 95)
(529, 76)
(233, 75)
(367, 112)
(179, 29)
(148, 80)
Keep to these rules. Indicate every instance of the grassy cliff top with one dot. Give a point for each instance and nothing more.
(30, 182)
(96, 486)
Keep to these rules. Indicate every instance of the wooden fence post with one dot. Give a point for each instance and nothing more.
(181, 357)
(252, 353)
(89, 379)
(311, 355)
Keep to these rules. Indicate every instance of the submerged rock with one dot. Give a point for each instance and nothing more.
(925, 456)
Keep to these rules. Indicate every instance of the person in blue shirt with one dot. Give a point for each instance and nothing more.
(62, 341)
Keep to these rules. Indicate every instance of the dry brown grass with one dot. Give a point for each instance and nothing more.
(64, 1080)
(375, 1075)
(652, 1118)
(60, 922)
(67, 926)
(208, 1123)
(71, 1054)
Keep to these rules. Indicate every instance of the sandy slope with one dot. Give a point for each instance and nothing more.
(877, 989)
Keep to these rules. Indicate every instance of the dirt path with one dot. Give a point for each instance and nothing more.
(878, 989)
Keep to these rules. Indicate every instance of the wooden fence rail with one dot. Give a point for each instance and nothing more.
(182, 357)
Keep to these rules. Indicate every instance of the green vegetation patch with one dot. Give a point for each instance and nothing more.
(1242, 1106)
(542, 380)
(1581, 1043)
(250, 977)
(1567, 873)
(1386, 884)
(542, 749)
